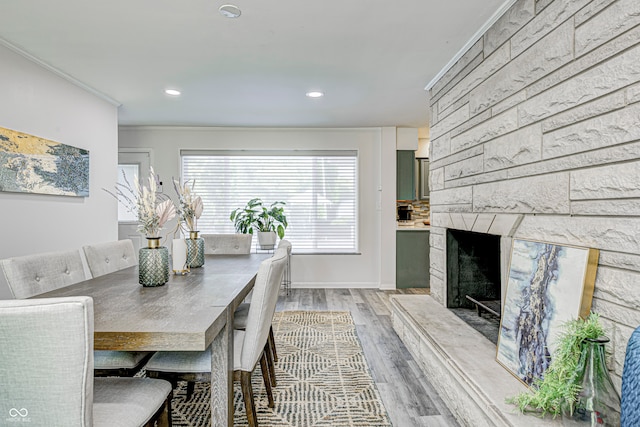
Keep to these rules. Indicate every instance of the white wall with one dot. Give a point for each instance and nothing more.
(363, 270)
(37, 102)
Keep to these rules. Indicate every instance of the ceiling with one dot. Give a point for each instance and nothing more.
(371, 58)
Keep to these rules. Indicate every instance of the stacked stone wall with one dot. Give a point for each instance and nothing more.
(541, 117)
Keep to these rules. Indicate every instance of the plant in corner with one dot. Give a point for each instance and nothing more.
(266, 222)
(558, 392)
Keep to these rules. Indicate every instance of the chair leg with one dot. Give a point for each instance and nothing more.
(271, 365)
(247, 393)
(162, 418)
(266, 377)
(272, 344)
(191, 386)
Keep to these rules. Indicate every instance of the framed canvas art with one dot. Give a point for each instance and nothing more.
(30, 164)
(548, 285)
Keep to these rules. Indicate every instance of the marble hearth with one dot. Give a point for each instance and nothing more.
(460, 363)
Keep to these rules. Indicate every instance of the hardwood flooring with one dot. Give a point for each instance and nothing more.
(408, 396)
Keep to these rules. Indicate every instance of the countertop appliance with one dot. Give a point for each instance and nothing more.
(404, 212)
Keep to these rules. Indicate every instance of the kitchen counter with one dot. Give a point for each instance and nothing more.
(416, 227)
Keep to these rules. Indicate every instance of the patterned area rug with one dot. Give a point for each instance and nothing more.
(323, 379)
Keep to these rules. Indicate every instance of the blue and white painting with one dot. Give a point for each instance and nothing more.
(30, 164)
(545, 290)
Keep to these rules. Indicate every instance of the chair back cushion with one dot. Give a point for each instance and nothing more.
(108, 257)
(263, 305)
(285, 244)
(227, 244)
(46, 361)
(35, 274)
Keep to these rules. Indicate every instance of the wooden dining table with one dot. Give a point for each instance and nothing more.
(188, 313)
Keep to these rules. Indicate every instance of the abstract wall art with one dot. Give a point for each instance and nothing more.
(30, 164)
(548, 285)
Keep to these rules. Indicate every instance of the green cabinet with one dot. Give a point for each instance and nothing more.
(405, 175)
(423, 193)
(412, 258)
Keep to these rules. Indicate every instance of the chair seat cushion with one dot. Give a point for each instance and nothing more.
(120, 402)
(192, 361)
(240, 316)
(106, 359)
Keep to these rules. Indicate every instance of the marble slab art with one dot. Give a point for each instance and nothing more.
(30, 164)
(548, 285)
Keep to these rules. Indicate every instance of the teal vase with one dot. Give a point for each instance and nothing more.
(195, 250)
(153, 264)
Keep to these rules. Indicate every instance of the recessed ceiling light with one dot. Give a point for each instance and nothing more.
(172, 92)
(315, 94)
(229, 11)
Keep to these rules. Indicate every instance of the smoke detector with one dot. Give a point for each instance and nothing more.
(229, 11)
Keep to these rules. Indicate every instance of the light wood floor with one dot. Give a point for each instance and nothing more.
(408, 396)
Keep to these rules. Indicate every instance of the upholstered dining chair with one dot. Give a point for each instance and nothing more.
(46, 366)
(286, 281)
(227, 244)
(242, 313)
(31, 275)
(250, 345)
(105, 258)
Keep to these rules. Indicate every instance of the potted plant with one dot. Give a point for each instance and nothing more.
(576, 384)
(153, 210)
(266, 222)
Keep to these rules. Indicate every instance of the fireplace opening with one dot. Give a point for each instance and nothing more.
(473, 280)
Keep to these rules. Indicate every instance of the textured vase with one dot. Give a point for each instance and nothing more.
(195, 250)
(153, 268)
(598, 403)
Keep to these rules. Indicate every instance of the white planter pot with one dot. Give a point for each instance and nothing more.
(267, 239)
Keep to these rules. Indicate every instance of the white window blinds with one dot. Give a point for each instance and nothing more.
(319, 189)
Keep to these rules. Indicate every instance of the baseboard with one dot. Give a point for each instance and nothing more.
(336, 285)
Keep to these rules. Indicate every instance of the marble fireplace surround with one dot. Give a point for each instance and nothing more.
(457, 359)
(503, 225)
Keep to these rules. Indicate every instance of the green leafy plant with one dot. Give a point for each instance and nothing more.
(558, 389)
(256, 217)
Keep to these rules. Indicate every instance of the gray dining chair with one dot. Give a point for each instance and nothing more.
(105, 258)
(241, 315)
(250, 345)
(46, 366)
(32, 275)
(227, 244)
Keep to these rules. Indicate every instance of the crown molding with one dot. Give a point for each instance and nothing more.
(59, 73)
(501, 11)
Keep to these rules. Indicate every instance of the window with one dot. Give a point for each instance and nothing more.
(319, 189)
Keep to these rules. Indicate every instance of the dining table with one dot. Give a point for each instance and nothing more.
(189, 313)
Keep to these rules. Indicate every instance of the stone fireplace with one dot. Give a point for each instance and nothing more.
(534, 135)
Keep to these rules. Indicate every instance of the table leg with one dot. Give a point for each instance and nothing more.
(222, 376)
